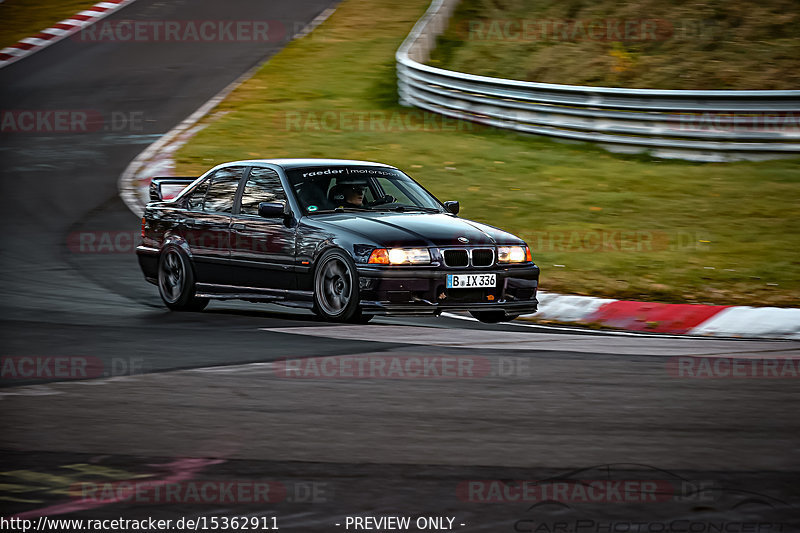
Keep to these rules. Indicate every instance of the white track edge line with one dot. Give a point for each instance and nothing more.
(78, 25)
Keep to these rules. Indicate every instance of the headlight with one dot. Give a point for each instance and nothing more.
(513, 254)
(400, 256)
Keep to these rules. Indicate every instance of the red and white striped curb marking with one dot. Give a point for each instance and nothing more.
(59, 31)
(682, 319)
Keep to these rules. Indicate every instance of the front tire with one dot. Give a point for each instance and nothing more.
(176, 281)
(336, 294)
(492, 317)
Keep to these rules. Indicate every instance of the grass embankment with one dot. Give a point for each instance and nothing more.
(748, 44)
(23, 18)
(717, 233)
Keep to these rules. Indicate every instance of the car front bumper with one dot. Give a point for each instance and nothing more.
(420, 291)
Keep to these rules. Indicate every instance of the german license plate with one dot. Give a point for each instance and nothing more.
(470, 281)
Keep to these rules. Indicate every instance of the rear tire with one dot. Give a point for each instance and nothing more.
(492, 317)
(336, 294)
(176, 281)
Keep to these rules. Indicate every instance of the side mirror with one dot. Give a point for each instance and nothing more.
(452, 207)
(270, 210)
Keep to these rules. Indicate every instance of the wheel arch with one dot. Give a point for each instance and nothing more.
(180, 242)
(325, 247)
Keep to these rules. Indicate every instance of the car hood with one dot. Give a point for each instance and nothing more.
(416, 229)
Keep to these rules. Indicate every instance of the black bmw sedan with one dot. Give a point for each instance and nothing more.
(347, 239)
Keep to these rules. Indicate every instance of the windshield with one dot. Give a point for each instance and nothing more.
(326, 189)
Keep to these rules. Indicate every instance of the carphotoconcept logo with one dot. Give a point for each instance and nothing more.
(577, 493)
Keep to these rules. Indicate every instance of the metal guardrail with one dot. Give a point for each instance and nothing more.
(695, 125)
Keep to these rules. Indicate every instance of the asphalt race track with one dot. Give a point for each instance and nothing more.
(250, 394)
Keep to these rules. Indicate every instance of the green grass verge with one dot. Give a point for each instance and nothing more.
(23, 18)
(600, 224)
(747, 44)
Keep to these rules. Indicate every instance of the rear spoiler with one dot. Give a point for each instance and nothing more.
(168, 188)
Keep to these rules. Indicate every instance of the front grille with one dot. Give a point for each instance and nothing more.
(482, 257)
(456, 258)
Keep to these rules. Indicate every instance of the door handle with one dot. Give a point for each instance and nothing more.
(238, 226)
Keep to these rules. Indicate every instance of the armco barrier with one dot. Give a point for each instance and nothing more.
(695, 125)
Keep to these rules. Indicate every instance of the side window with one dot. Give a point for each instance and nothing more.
(222, 190)
(369, 195)
(263, 185)
(390, 188)
(401, 194)
(195, 200)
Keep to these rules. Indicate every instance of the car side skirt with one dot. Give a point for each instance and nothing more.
(255, 294)
(305, 299)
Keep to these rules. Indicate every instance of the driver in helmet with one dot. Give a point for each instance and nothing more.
(348, 194)
(354, 195)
